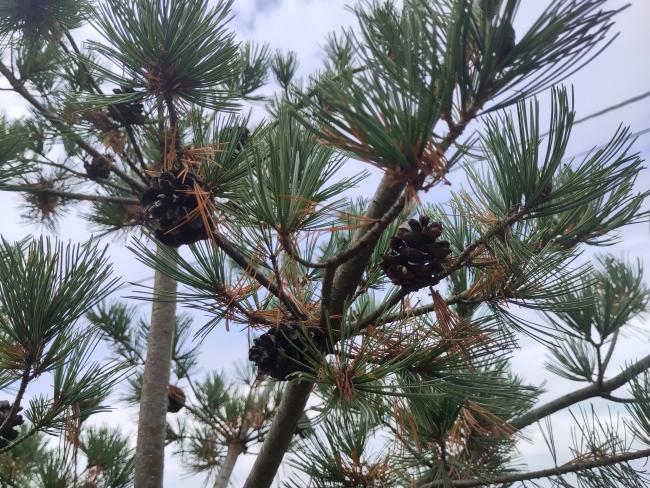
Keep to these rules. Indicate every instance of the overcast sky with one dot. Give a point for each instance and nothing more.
(301, 25)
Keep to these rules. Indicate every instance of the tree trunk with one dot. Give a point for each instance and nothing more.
(297, 393)
(234, 450)
(150, 451)
(276, 442)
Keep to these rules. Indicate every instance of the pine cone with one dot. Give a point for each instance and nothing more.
(10, 433)
(508, 45)
(244, 135)
(130, 113)
(166, 205)
(99, 167)
(175, 398)
(286, 349)
(416, 255)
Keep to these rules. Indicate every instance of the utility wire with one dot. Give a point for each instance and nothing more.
(131, 283)
(632, 136)
(611, 108)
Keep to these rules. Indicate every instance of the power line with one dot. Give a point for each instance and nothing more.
(611, 108)
(632, 136)
(128, 284)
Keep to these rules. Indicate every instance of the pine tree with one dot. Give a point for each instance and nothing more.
(140, 117)
(45, 290)
(407, 395)
(213, 420)
(98, 457)
(431, 380)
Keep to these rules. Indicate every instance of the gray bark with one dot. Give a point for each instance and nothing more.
(234, 450)
(577, 396)
(570, 467)
(150, 451)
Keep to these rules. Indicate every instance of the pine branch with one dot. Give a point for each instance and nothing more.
(458, 263)
(348, 275)
(114, 112)
(70, 195)
(8, 482)
(174, 127)
(26, 377)
(571, 467)
(229, 299)
(495, 231)
(33, 431)
(389, 303)
(277, 440)
(615, 399)
(348, 253)
(610, 352)
(376, 316)
(339, 285)
(229, 248)
(294, 399)
(49, 162)
(203, 418)
(377, 319)
(218, 423)
(591, 391)
(56, 122)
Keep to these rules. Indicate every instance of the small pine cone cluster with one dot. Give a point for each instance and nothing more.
(99, 167)
(170, 209)
(509, 44)
(416, 255)
(229, 132)
(10, 433)
(175, 398)
(131, 113)
(286, 349)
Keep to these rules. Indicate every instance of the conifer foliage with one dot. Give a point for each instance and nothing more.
(380, 328)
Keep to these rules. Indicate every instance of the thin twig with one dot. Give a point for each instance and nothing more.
(8, 482)
(113, 110)
(369, 238)
(174, 127)
(54, 164)
(34, 430)
(572, 467)
(61, 126)
(616, 399)
(218, 423)
(15, 407)
(229, 248)
(610, 351)
(70, 195)
(591, 391)
(377, 319)
(496, 230)
(387, 305)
